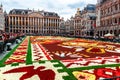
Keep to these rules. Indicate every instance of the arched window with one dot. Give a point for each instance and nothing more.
(115, 20)
(111, 31)
(119, 20)
(116, 7)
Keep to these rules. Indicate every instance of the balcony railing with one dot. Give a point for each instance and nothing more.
(110, 14)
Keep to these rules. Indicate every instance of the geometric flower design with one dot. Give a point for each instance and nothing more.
(91, 61)
(84, 76)
(69, 54)
(30, 71)
(95, 50)
(107, 73)
(43, 70)
(37, 53)
(19, 55)
(74, 48)
(72, 58)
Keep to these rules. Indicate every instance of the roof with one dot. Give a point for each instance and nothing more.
(102, 1)
(50, 14)
(27, 11)
(19, 11)
(90, 7)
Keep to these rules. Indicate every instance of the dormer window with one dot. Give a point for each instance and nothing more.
(47, 14)
(54, 14)
(13, 12)
(23, 12)
(42, 13)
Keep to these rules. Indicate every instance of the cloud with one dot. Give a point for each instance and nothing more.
(76, 5)
(65, 8)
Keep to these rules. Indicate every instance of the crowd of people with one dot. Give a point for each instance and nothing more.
(8, 38)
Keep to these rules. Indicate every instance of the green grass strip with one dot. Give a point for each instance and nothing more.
(94, 67)
(70, 76)
(15, 64)
(9, 54)
(29, 53)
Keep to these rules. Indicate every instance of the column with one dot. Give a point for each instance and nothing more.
(18, 21)
(43, 24)
(15, 21)
(35, 27)
(46, 25)
(57, 26)
(117, 20)
(12, 24)
(12, 20)
(9, 23)
(33, 24)
(38, 24)
(22, 29)
(49, 24)
(30, 24)
(25, 21)
(25, 24)
(21, 21)
(21, 24)
(9, 20)
(48, 30)
(119, 7)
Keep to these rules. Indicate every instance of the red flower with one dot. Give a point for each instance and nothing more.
(30, 71)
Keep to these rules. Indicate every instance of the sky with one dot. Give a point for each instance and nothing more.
(64, 8)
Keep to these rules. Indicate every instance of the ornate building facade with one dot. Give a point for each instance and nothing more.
(88, 20)
(2, 20)
(33, 22)
(108, 17)
(83, 23)
(67, 27)
(77, 23)
(62, 27)
(73, 25)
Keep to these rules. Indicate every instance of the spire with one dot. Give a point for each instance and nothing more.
(71, 17)
(78, 9)
(1, 8)
(5, 12)
(1, 5)
(78, 12)
(33, 10)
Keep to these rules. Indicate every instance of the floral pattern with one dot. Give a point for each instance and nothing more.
(19, 55)
(97, 74)
(60, 58)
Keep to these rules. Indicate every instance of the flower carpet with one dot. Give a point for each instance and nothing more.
(61, 58)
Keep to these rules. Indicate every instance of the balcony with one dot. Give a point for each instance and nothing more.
(110, 14)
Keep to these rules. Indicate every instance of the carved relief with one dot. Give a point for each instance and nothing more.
(35, 14)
